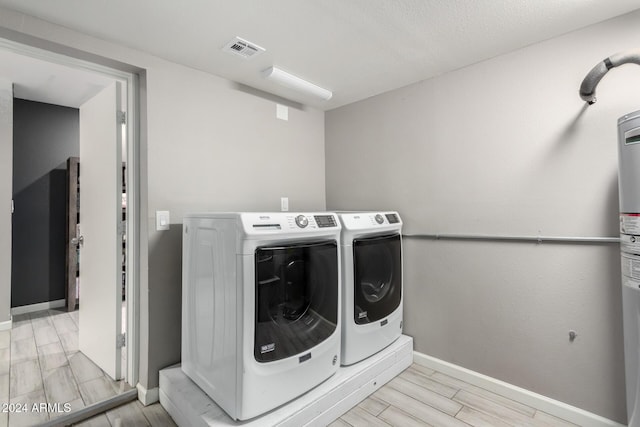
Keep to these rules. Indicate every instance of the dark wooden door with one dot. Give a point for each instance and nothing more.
(73, 219)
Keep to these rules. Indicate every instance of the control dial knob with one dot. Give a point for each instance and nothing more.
(302, 221)
(379, 219)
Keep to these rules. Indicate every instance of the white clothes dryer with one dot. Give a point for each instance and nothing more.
(260, 306)
(371, 283)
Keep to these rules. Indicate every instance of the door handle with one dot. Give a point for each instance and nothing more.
(77, 241)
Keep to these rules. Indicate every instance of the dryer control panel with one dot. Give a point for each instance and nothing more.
(370, 220)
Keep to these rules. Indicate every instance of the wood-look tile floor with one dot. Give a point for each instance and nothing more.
(417, 397)
(133, 414)
(40, 365)
(422, 397)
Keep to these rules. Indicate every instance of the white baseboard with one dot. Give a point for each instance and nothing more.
(23, 309)
(521, 395)
(147, 397)
(6, 325)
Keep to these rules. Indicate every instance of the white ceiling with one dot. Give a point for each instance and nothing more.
(355, 48)
(42, 81)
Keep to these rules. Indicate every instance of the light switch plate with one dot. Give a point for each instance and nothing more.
(163, 220)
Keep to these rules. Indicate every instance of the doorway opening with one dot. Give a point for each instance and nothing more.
(48, 325)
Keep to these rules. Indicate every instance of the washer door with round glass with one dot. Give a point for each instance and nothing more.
(377, 277)
(296, 292)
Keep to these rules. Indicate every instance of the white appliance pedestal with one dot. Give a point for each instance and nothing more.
(188, 405)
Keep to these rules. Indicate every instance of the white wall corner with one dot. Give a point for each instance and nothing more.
(6, 173)
(510, 391)
(4, 326)
(147, 397)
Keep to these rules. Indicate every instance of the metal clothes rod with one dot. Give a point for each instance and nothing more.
(537, 239)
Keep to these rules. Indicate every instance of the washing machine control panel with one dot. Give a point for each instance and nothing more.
(299, 223)
(392, 218)
(313, 221)
(308, 221)
(325, 221)
(302, 221)
(379, 219)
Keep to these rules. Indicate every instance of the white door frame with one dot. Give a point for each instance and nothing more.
(131, 84)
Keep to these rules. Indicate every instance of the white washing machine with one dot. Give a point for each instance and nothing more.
(260, 306)
(372, 283)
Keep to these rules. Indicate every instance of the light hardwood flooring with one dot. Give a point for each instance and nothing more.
(422, 397)
(40, 364)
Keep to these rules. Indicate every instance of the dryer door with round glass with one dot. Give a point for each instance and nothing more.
(296, 292)
(377, 277)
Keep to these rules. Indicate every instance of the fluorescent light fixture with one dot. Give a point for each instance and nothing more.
(296, 83)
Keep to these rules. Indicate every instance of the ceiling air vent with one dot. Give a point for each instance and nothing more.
(243, 48)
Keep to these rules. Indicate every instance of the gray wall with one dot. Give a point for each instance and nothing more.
(222, 150)
(6, 149)
(523, 160)
(38, 254)
(504, 147)
(44, 137)
(206, 144)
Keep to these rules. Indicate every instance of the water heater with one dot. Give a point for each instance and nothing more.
(629, 192)
(629, 195)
